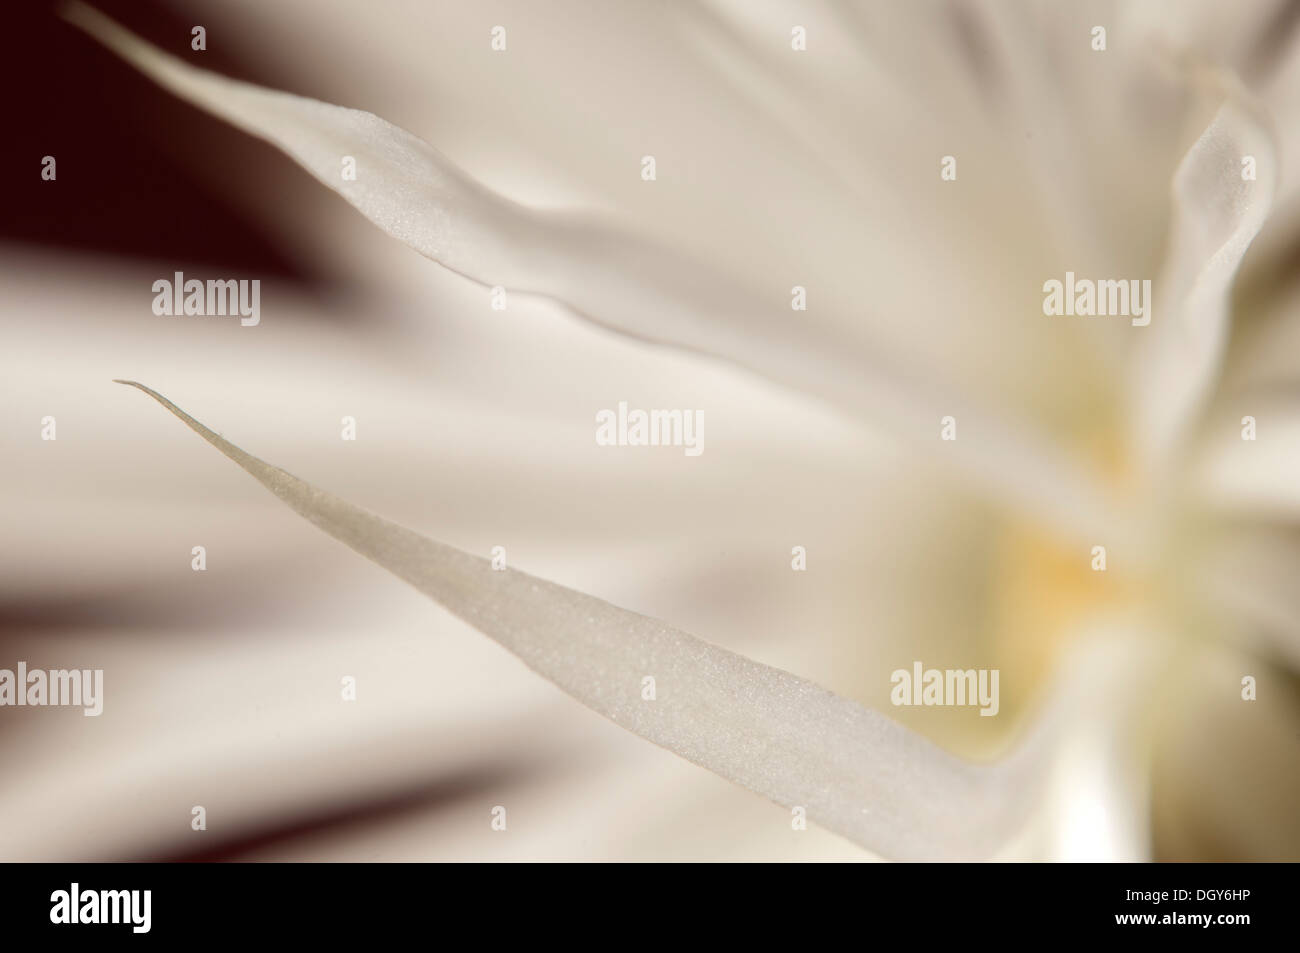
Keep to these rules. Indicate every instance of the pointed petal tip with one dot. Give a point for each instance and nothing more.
(771, 731)
(142, 387)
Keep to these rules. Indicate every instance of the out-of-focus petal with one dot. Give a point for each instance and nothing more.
(1218, 212)
(1255, 478)
(1248, 572)
(513, 463)
(1098, 796)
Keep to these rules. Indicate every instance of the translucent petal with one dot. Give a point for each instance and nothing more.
(622, 281)
(1217, 213)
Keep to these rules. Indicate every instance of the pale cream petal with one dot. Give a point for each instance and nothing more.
(857, 772)
(1254, 478)
(692, 539)
(1098, 798)
(631, 285)
(1217, 214)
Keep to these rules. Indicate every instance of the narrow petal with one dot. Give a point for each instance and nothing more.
(623, 282)
(854, 771)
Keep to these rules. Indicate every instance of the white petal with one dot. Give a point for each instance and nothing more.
(855, 771)
(623, 282)
(1217, 214)
(513, 463)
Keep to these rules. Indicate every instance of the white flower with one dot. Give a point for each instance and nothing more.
(821, 168)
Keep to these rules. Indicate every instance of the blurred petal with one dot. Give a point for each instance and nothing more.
(1258, 478)
(1098, 793)
(1250, 573)
(1217, 214)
